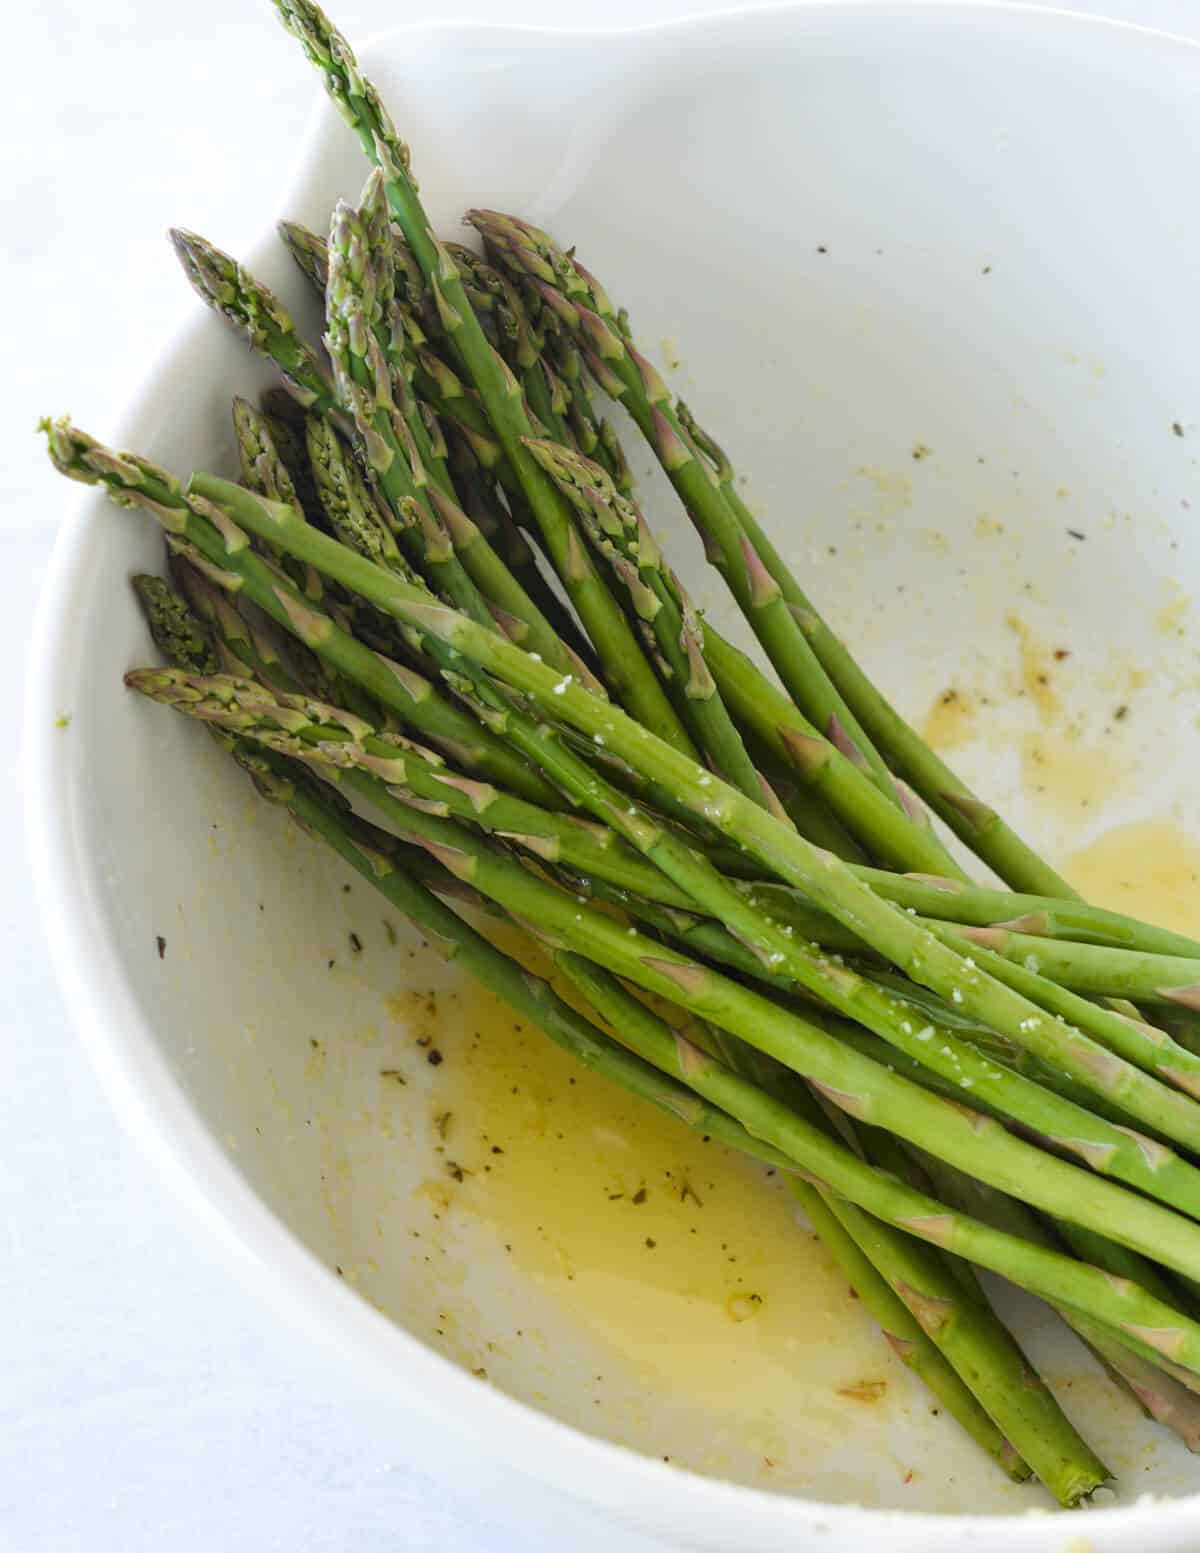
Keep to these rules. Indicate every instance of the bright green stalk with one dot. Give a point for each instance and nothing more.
(824, 879)
(1097, 970)
(1167, 1400)
(622, 371)
(973, 821)
(975, 905)
(1006, 1082)
(342, 740)
(901, 838)
(132, 481)
(1150, 1048)
(367, 388)
(619, 532)
(626, 670)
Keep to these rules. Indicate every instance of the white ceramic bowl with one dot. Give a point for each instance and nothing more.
(931, 271)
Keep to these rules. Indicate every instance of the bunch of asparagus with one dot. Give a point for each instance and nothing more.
(432, 598)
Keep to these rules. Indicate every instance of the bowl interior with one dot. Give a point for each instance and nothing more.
(930, 277)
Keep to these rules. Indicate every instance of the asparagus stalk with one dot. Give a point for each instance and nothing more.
(629, 676)
(820, 876)
(482, 503)
(619, 532)
(343, 739)
(626, 374)
(976, 823)
(310, 251)
(973, 905)
(897, 836)
(1166, 1399)
(368, 388)
(1093, 968)
(132, 481)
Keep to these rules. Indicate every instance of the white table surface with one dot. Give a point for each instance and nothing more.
(148, 1401)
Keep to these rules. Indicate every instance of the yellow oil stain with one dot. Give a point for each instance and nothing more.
(1170, 618)
(988, 527)
(1062, 771)
(1148, 869)
(950, 721)
(893, 491)
(670, 353)
(686, 1264)
(1037, 673)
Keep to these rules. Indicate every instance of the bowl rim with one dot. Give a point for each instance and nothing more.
(267, 1257)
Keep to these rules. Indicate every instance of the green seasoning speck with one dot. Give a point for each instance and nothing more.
(62, 722)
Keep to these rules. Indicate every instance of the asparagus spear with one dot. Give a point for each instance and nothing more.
(897, 836)
(285, 421)
(1095, 969)
(911, 947)
(974, 905)
(257, 313)
(1165, 1398)
(973, 821)
(311, 253)
(175, 631)
(132, 481)
(619, 532)
(368, 388)
(628, 376)
(629, 676)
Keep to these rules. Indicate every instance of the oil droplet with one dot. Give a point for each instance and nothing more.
(1036, 676)
(1148, 869)
(1169, 619)
(950, 721)
(1060, 770)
